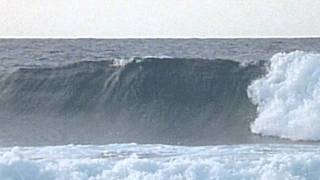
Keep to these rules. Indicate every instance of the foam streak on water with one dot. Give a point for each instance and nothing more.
(132, 161)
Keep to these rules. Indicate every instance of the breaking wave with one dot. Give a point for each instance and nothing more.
(163, 100)
(288, 97)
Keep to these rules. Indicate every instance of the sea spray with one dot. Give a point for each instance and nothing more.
(288, 97)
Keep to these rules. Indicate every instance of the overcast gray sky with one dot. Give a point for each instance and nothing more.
(159, 18)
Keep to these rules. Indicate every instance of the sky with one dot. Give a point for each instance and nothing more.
(159, 18)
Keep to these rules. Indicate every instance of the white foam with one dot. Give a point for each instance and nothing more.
(288, 97)
(131, 161)
(121, 62)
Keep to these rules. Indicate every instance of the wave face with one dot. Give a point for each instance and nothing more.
(288, 97)
(162, 100)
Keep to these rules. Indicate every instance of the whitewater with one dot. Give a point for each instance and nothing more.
(132, 161)
(288, 97)
(160, 109)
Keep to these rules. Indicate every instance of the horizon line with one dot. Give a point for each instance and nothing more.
(160, 37)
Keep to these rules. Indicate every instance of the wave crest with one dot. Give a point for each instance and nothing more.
(120, 62)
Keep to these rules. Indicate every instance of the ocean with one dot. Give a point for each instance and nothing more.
(75, 109)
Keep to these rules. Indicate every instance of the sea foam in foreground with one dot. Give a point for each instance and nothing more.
(132, 161)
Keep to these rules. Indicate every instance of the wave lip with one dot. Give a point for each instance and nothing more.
(121, 62)
(288, 97)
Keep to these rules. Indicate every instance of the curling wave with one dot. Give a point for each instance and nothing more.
(162, 100)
